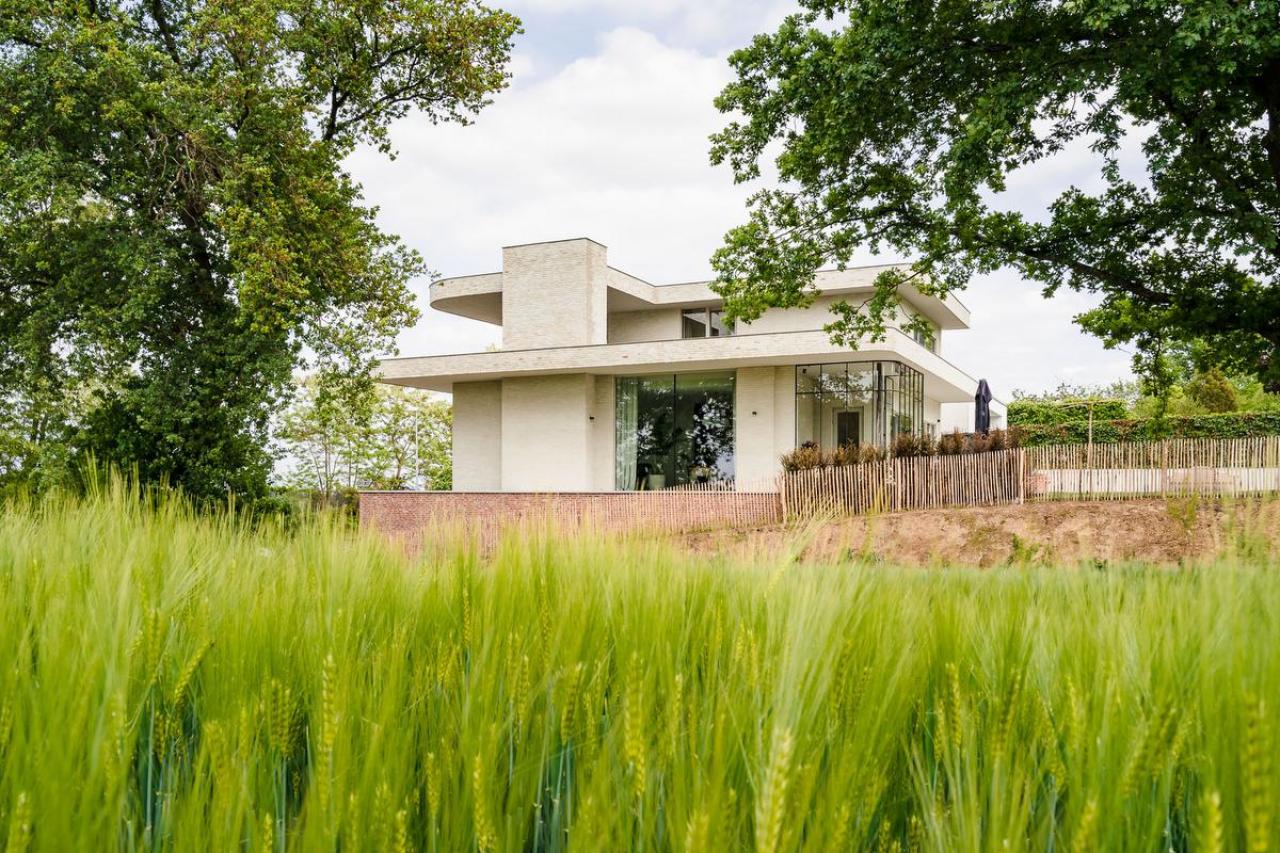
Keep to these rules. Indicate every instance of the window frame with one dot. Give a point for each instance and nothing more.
(704, 316)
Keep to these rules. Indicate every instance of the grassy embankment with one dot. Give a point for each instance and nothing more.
(189, 683)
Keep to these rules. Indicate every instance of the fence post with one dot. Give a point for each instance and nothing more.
(1089, 461)
(1164, 467)
(1022, 476)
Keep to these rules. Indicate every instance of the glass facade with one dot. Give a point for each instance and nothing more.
(859, 402)
(674, 429)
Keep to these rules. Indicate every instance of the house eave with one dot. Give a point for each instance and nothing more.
(479, 297)
(943, 381)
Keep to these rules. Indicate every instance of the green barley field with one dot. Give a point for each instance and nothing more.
(169, 681)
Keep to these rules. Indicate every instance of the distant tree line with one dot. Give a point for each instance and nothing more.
(391, 438)
(1188, 382)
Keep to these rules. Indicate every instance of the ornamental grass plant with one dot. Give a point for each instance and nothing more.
(193, 682)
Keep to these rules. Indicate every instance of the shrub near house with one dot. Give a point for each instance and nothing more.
(1038, 424)
(1204, 403)
(809, 455)
(1026, 413)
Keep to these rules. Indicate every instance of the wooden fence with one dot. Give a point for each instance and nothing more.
(1205, 466)
(1243, 466)
(916, 482)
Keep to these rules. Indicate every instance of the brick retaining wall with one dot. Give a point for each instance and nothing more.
(409, 513)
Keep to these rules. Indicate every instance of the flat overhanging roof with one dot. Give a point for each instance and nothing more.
(479, 297)
(943, 381)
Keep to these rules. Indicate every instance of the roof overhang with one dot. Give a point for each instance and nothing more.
(479, 297)
(943, 381)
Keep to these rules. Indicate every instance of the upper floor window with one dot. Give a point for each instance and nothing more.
(925, 339)
(704, 323)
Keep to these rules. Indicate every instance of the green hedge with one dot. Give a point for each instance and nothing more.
(1230, 425)
(1039, 413)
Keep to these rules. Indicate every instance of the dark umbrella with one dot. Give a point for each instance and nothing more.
(982, 408)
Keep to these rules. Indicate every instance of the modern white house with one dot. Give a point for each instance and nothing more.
(605, 382)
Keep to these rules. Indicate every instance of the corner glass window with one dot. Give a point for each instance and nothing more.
(853, 403)
(719, 328)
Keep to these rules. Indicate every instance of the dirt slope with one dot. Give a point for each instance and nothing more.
(1161, 532)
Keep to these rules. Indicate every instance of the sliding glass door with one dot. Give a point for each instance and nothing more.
(674, 429)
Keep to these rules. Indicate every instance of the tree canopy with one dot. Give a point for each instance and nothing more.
(896, 125)
(178, 233)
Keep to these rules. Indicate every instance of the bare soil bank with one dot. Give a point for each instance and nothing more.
(1147, 531)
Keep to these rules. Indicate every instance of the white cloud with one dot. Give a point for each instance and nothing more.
(681, 22)
(1020, 340)
(613, 146)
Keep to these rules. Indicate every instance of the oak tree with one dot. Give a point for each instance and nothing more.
(896, 126)
(178, 232)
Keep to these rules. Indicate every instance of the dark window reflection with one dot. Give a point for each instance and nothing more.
(674, 429)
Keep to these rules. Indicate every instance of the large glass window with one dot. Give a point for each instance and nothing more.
(861, 402)
(674, 429)
(903, 400)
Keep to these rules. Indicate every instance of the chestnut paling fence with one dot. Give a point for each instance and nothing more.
(1241, 466)
(915, 482)
(1207, 466)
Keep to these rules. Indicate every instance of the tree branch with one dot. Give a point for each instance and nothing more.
(166, 32)
(337, 98)
(1269, 87)
(1232, 192)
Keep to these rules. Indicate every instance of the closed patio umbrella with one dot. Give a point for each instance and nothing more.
(982, 408)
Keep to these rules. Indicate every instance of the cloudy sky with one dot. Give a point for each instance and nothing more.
(603, 133)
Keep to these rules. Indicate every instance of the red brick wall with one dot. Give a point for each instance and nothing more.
(409, 513)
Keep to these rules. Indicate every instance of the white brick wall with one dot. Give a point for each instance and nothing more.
(815, 316)
(477, 436)
(818, 315)
(754, 424)
(604, 437)
(662, 324)
(784, 412)
(554, 294)
(546, 433)
(933, 416)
